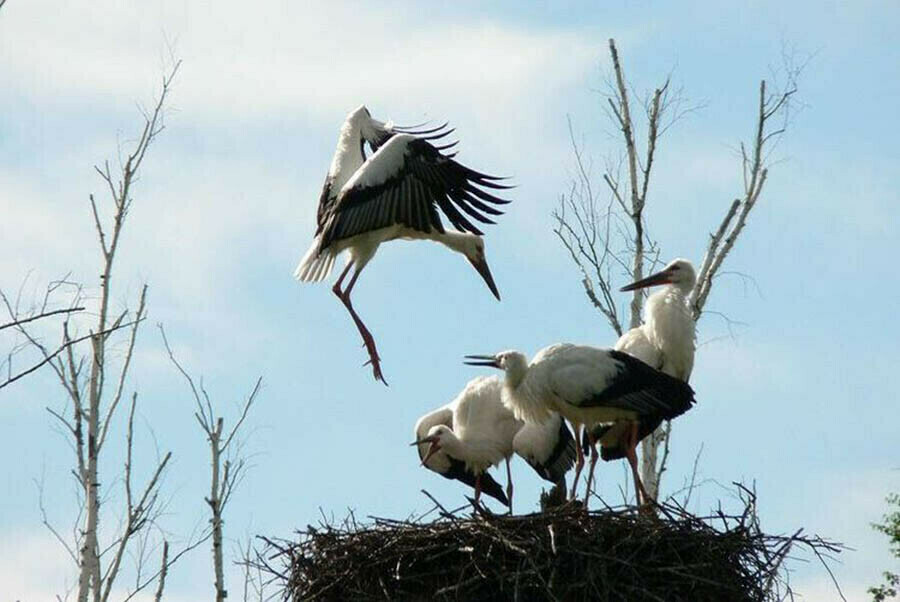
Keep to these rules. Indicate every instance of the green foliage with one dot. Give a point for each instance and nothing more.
(891, 528)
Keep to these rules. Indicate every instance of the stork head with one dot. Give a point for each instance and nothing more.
(438, 436)
(375, 132)
(679, 273)
(472, 246)
(512, 362)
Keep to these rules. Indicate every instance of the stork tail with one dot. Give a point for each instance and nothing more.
(314, 266)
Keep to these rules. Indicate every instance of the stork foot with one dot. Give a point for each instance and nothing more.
(375, 362)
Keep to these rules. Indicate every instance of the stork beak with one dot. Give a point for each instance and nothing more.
(481, 360)
(657, 278)
(432, 449)
(483, 269)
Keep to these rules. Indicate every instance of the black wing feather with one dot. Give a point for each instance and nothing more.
(326, 204)
(427, 181)
(561, 459)
(489, 486)
(644, 390)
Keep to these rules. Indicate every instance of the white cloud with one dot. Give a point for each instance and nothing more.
(281, 58)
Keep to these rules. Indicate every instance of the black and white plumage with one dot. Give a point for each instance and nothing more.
(588, 386)
(462, 439)
(665, 340)
(399, 192)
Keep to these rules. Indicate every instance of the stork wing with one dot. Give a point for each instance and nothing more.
(548, 447)
(622, 382)
(405, 182)
(380, 133)
(489, 486)
(326, 204)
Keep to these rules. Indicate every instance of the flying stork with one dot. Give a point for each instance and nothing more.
(665, 341)
(462, 439)
(588, 386)
(395, 193)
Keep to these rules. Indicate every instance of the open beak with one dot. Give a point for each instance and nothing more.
(432, 448)
(657, 278)
(481, 360)
(483, 269)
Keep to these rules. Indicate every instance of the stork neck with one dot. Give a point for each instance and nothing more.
(461, 242)
(658, 301)
(515, 374)
(453, 446)
(348, 157)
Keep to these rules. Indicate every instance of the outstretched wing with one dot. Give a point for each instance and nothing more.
(378, 135)
(405, 182)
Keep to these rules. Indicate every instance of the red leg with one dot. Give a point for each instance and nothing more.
(368, 341)
(477, 490)
(579, 459)
(337, 285)
(509, 486)
(594, 456)
(630, 452)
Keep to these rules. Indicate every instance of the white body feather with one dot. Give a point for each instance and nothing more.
(558, 379)
(666, 339)
(487, 431)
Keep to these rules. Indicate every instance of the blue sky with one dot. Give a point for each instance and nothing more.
(801, 400)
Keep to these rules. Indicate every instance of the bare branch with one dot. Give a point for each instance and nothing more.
(48, 357)
(163, 571)
(18, 322)
(141, 313)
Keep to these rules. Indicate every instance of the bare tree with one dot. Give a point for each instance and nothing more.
(227, 468)
(95, 385)
(609, 239)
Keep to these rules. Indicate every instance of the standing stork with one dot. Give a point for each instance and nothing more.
(462, 439)
(395, 193)
(588, 386)
(666, 341)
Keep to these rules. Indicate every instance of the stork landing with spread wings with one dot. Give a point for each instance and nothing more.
(397, 192)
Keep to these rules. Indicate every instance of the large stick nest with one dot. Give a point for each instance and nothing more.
(561, 554)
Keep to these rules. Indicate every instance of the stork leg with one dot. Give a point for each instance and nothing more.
(594, 456)
(477, 490)
(368, 341)
(579, 459)
(509, 486)
(640, 494)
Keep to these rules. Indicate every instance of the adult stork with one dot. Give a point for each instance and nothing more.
(665, 341)
(395, 193)
(588, 386)
(462, 439)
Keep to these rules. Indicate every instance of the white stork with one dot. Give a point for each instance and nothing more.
(588, 386)
(665, 341)
(395, 193)
(462, 439)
